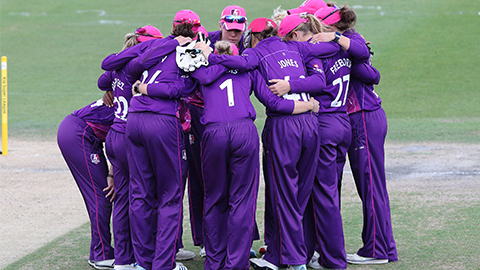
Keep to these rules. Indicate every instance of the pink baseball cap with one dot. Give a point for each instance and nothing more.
(187, 16)
(260, 24)
(148, 32)
(234, 49)
(289, 23)
(234, 17)
(309, 6)
(328, 15)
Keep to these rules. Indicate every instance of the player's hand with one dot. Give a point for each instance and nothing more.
(279, 87)
(133, 88)
(316, 105)
(204, 48)
(323, 37)
(108, 98)
(110, 188)
(183, 40)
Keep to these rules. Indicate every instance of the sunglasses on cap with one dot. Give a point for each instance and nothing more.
(234, 18)
(330, 14)
(143, 32)
(193, 22)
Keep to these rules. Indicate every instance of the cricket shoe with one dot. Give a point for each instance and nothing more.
(262, 264)
(357, 259)
(202, 252)
(184, 255)
(314, 261)
(297, 267)
(132, 266)
(102, 265)
(180, 266)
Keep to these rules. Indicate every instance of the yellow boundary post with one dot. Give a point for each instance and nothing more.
(4, 107)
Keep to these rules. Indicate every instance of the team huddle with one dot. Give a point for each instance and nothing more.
(177, 109)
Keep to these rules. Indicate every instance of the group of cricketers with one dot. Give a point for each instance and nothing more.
(177, 109)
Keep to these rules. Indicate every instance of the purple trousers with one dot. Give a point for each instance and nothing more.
(290, 156)
(115, 146)
(195, 179)
(335, 137)
(156, 156)
(367, 161)
(83, 153)
(230, 166)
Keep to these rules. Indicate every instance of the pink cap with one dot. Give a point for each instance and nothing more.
(234, 49)
(187, 16)
(328, 15)
(289, 23)
(309, 6)
(148, 32)
(260, 24)
(234, 17)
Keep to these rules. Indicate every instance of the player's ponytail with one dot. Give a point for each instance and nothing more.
(348, 19)
(129, 40)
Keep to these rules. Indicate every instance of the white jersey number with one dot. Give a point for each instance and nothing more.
(337, 103)
(296, 97)
(229, 85)
(122, 107)
(152, 79)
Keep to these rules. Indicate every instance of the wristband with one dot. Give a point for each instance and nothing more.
(135, 88)
(110, 175)
(337, 36)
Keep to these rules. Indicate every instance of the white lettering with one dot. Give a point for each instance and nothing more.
(344, 62)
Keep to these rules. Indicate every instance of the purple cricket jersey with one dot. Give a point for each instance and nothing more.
(222, 103)
(164, 72)
(98, 116)
(362, 95)
(119, 60)
(281, 60)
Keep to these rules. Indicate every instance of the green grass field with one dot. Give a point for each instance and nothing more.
(426, 52)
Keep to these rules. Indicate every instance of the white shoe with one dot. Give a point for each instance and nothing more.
(184, 255)
(180, 266)
(357, 259)
(262, 264)
(102, 265)
(314, 262)
(132, 266)
(202, 252)
(297, 267)
(140, 268)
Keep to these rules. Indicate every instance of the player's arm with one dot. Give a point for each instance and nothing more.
(357, 49)
(314, 83)
(276, 103)
(365, 72)
(119, 60)
(207, 75)
(247, 61)
(104, 83)
(152, 56)
(166, 89)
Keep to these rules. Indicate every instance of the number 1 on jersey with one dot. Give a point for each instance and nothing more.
(229, 85)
